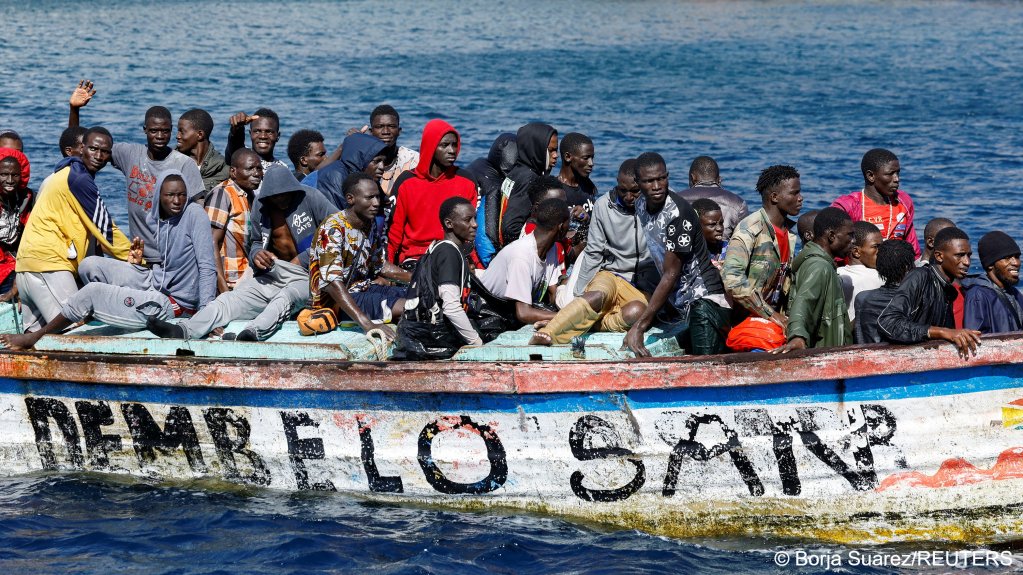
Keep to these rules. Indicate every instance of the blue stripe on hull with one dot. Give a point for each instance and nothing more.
(869, 389)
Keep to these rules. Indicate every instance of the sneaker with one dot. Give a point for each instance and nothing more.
(165, 329)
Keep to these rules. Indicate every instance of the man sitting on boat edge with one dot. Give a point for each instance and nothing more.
(922, 307)
(690, 288)
(127, 294)
(348, 256)
(284, 220)
(434, 324)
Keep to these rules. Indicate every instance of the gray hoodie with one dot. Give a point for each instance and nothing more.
(187, 272)
(616, 243)
(307, 209)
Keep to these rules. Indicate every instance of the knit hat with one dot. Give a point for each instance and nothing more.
(995, 246)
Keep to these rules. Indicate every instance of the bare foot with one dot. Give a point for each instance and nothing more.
(540, 338)
(19, 341)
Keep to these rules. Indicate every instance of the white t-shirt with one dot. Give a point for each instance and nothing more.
(517, 273)
(855, 279)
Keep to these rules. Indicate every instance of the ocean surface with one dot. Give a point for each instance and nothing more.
(750, 83)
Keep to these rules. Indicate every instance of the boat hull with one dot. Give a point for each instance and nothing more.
(932, 450)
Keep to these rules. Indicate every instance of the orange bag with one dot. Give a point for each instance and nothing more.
(755, 333)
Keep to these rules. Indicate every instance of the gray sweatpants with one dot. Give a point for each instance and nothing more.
(116, 293)
(118, 306)
(268, 299)
(42, 295)
(115, 272)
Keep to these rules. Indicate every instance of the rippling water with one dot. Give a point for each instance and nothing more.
(751, 83)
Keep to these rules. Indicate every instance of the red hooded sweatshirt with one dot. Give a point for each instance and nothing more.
(415, 222)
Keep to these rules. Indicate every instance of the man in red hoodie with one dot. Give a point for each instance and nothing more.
(414, 224)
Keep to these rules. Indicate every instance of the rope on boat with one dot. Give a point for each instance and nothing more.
(380, 342)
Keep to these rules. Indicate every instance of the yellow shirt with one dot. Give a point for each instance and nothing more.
(59, 233)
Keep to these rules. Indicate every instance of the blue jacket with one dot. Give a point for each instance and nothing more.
(987, 310)
(187, 271)
(357, 151)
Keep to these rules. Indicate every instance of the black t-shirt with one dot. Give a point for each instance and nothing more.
(447, 266)
(579, 195)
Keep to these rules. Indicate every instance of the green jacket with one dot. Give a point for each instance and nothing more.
(752, 263)
(817, 309)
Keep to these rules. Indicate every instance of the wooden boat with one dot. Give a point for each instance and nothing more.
(862, 444)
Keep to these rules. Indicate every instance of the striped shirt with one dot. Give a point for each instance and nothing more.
(228, 208)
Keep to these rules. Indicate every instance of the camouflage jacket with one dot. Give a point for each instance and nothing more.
(753, 273)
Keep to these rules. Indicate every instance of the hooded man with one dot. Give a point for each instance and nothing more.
(419, 194)
(15, 207)
(125, 294)
(537, 152)
(993, 304)
(284, 220)
(489, 173)
(67, 222)
(359, 153)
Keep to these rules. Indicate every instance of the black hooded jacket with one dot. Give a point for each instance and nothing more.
(490, 172)
(531, 142)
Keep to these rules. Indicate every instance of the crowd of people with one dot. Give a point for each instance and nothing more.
(433, 256)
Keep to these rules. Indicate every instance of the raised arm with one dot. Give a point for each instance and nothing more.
(79, 98)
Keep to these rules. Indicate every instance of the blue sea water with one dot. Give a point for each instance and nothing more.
(750, 83)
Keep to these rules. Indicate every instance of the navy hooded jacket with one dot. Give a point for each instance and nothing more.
(357, 151)
(987, 310)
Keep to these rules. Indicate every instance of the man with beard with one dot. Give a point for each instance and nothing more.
(993, 304)
(922, 308)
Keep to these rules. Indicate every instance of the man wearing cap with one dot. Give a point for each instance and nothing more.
(993, 304)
